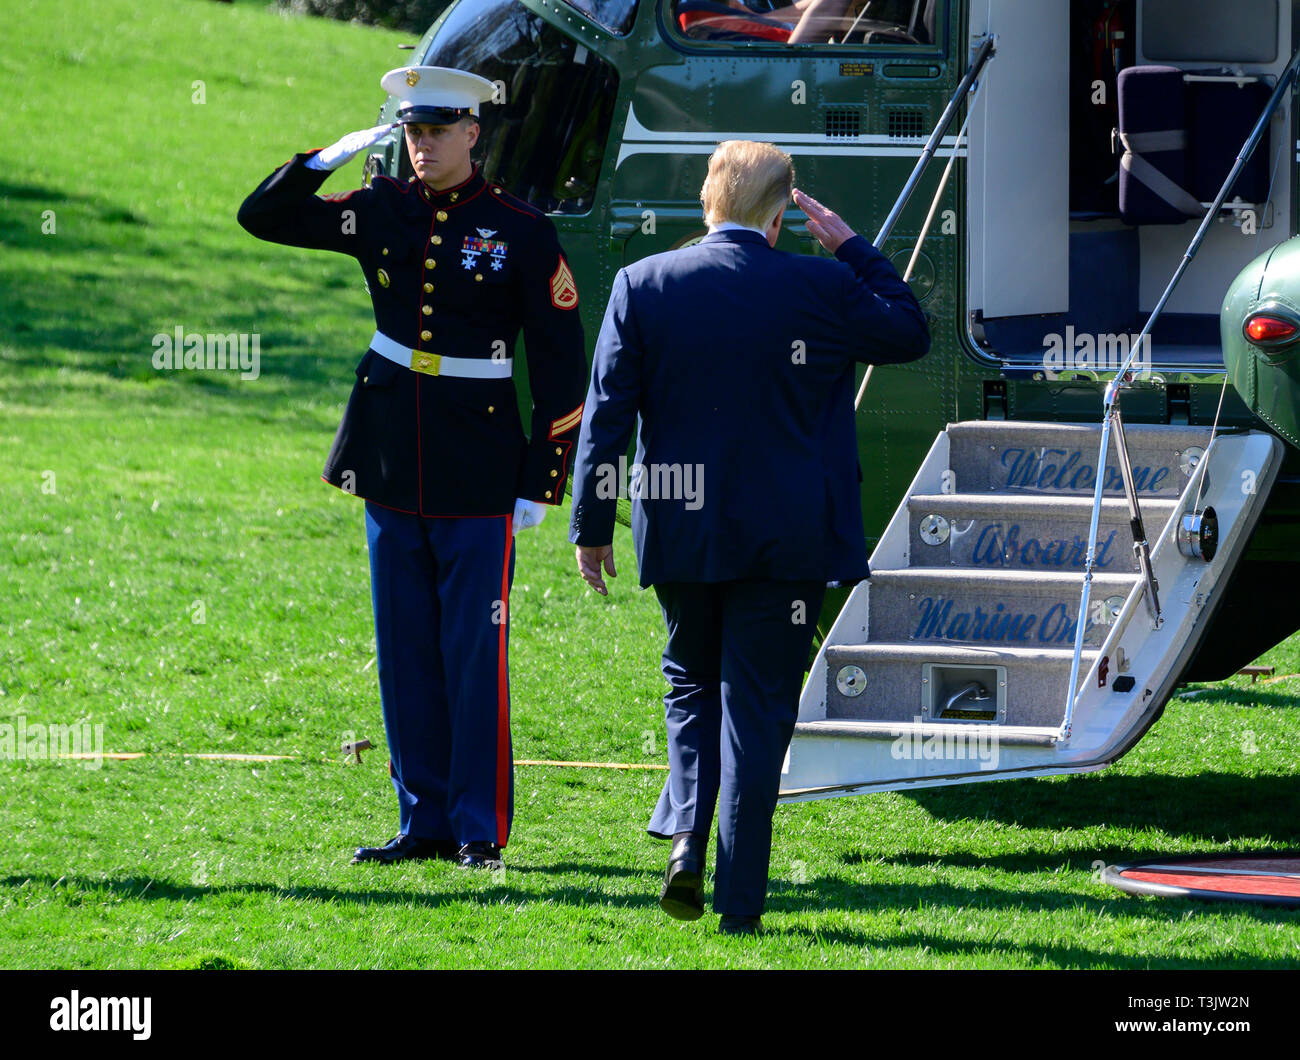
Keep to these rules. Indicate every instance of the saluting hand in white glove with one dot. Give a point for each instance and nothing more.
(528, 513)
(349, 147)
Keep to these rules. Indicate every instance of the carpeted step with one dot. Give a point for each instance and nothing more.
(894, 682)
(1020, 531)
(1006, 456)
(995, 608)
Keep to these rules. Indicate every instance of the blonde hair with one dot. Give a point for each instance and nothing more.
(748, 183)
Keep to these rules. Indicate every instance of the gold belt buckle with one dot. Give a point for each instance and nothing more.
(428, 363)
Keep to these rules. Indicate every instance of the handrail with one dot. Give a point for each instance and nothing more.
(968, 85)
(929, 220)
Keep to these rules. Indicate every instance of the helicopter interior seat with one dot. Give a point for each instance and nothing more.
(1181, 132)
(886, 22)
(719, 20)
(929, 16)
(909, 22)
(710, 20)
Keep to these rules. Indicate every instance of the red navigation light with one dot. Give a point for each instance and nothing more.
(1266, 329)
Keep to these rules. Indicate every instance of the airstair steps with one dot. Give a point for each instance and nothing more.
(991, 607)
(1011, 456)
(902, 683)
(1004, 531)
(965, 630)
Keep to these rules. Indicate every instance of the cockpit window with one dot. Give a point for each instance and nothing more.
(544, 138)
(615, 15)
(809, 22)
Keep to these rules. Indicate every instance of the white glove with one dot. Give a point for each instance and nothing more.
(348, 148)
(528, 513)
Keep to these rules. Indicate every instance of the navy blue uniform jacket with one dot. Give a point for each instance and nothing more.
(457, 273)
(739, 360)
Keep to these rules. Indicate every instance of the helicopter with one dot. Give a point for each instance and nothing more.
(1085, 495)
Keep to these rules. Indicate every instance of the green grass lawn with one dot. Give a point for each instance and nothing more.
(174, 570)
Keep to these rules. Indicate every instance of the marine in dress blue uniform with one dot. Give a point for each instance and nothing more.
(432, 439)
(737, 360)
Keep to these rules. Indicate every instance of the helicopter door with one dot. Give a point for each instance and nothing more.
(1020, 166)
(1071, 243)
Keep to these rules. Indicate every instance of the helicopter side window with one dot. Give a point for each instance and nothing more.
(808, 22)
(616, 16)
(545, 134)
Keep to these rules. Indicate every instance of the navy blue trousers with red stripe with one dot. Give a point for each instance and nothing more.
(441, 592)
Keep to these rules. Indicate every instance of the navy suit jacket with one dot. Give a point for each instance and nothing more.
(738, 360)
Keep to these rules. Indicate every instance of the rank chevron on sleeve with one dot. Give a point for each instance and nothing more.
(564, 291)
(567, 423)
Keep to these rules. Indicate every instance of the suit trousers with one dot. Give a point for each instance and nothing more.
(441, 594)
(734, 662)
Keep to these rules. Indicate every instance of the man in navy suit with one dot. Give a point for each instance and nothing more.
(739, 361)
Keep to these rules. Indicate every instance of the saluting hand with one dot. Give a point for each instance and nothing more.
(349, 147)
(589, 564)
(826, 225)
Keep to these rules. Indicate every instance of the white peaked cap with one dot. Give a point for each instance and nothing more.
(436, 95)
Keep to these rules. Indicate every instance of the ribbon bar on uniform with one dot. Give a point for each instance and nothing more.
(437, 364)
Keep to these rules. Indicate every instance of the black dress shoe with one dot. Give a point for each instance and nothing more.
(403, 847)
(683, 894)
(479, 856)
(740, 925)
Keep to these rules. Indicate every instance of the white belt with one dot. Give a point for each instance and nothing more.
(437, 364)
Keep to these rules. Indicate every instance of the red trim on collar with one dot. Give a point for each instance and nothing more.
(443, 198)
(404, 188)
